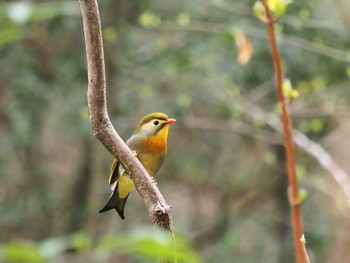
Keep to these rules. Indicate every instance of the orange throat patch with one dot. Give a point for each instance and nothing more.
(157, 143)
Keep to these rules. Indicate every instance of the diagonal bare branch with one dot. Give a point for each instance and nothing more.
(102, 127)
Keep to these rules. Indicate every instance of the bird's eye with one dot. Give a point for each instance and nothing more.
(156, 122)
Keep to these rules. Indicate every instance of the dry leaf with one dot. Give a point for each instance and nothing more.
(245, 49)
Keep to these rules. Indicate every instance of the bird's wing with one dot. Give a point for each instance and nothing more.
(114, 172)
(117, 169)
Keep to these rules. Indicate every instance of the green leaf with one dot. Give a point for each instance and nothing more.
(110, 34)
(279, 7)
(22, 252)
(149, 19)
(258, 10)
(183, 19)
(150, 244)
(347, 71)
(288, 90)
(80, 241)
(302, 195)
(316, 125)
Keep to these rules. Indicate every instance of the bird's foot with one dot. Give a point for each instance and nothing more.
(153, 181)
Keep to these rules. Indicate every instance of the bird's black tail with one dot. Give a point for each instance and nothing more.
(115, 202)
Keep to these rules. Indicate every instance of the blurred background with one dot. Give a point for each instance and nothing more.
(207, 64)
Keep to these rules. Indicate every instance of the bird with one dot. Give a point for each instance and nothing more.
(149, 143)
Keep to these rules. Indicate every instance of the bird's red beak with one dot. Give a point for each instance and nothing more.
(170, 121)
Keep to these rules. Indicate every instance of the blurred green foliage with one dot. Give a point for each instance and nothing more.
(224, 174)
(146, 243)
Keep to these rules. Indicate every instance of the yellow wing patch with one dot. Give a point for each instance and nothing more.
(125, 185)
(113, 172)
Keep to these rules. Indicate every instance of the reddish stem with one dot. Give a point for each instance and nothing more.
(288, 139)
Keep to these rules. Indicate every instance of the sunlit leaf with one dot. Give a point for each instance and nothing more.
(288, 90)
(278, 7)
(10, 32)
(110, 34)
(302, 195)
(149, 19)
(258, 10)
(317, 125)
(183, 19)
(149, 243)
(23, 253)
(80, 241)
(348, 72)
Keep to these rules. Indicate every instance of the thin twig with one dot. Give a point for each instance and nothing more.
(303, 243)
(288, 138)
(291, 40)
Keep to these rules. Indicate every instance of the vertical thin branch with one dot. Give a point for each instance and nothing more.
(288, 139)
(159, 211)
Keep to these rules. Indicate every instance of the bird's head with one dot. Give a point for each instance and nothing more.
(154, 124)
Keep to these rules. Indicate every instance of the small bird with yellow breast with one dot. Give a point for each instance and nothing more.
(149, 142)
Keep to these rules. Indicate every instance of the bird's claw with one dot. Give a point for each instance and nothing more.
(153, 181)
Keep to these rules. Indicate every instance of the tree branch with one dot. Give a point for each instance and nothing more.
(159, 211)
(288, 138)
